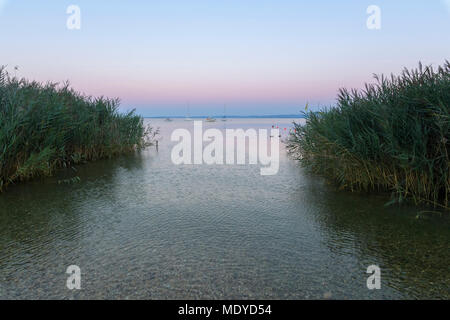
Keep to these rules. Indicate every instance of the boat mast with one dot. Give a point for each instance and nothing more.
(188, 116)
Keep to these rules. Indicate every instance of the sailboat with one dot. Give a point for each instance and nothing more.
(188, 116)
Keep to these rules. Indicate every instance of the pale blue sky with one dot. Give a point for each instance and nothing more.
(256, 56)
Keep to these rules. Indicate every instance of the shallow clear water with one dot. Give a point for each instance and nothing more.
(140, 227)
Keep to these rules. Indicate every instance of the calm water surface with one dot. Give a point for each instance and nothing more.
(141, 228)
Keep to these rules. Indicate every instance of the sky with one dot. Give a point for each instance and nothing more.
(256, 57)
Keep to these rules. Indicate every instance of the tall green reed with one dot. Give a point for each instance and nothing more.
(394, 135)
(46, 126)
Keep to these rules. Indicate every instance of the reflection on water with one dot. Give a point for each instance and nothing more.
(140, 227)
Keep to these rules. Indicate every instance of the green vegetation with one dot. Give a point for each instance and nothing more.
(393, 136)
(45, 127)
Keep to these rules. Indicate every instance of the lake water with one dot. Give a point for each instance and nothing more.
(140, 227)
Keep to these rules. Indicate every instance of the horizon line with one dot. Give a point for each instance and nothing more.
(227, 117)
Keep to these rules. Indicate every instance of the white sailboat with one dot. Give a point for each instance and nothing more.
(188, 116)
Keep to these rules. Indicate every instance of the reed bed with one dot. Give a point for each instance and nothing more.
(48, 126)
(393, 136)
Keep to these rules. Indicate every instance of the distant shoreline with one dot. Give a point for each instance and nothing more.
(282, 116)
